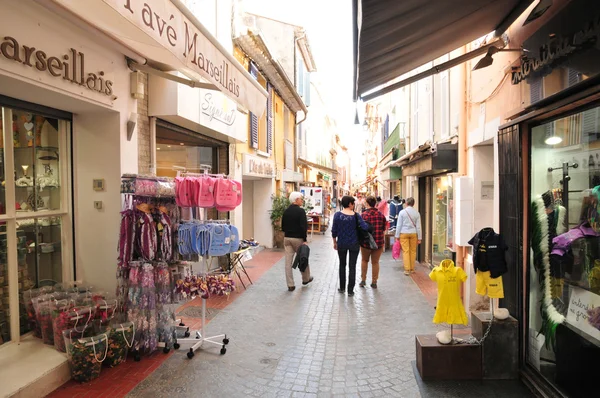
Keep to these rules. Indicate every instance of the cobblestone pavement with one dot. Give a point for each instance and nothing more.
(307, 343)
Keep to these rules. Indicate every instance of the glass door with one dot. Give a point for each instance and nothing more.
(34, 205)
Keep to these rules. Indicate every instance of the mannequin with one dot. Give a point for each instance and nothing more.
(449, 308)
(489, 264)
(394, 209)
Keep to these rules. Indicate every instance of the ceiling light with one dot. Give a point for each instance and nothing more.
(553, 140)
(158, 148)
(168, 146)
(181, 143)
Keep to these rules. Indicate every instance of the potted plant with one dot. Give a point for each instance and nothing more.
(279, 203)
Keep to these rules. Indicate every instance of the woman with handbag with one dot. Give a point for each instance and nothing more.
(408, 229)
(372, 249)
(345, 232)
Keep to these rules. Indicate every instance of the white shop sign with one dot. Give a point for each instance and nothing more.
(160, 31)
(580, 302)
(255, 166)
(45, 51)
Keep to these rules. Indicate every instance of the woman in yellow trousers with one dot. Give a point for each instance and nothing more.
(408, 229)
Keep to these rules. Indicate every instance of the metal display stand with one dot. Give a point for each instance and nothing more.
(200, 336)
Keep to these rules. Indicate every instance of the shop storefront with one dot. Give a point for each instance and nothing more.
(258, 186)
(64, 103)
(433, 192)
(549, 157)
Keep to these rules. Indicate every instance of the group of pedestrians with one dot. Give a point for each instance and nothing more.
(348, 232)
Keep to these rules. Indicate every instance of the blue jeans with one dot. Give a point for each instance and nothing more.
(342, 254)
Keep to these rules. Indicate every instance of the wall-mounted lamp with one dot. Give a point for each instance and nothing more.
(487, 60)
(131, 125)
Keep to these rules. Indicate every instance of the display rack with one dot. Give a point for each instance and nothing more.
(199, 337)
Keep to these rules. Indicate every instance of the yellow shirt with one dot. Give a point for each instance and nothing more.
(449, 305)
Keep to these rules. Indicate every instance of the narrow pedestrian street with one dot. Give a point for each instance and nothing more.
(316, 342)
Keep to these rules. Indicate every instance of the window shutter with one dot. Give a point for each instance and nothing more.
(253, 130)
(535, 88)
(573, 77)
(270, 119)
(253, 117)
(307, 89)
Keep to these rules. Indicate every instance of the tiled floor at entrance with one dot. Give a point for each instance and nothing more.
(117, 382)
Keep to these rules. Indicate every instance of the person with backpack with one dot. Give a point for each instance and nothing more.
(377, 222)
(408, 229)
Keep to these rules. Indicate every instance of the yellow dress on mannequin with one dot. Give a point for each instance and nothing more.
(449, 304)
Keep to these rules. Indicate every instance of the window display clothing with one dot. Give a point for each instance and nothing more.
(548, 221)
(449, 304)
(394, 209)
(294, 222)
(489, 252)
(486, 285)
(383, 207)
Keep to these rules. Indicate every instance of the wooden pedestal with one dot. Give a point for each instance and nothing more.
(436, 361)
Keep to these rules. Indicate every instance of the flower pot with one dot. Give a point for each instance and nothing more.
(278, 239)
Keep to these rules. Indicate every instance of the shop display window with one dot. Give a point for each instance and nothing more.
(178, 149)
(34, 206)
(564, 272)
(442, 218)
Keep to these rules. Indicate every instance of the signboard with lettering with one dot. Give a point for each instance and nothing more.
(580, 302)
(255, 166)
(170, 37)
(50, 53)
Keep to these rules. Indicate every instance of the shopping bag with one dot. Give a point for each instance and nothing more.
(396, 249)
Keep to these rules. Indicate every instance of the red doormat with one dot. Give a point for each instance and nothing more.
(119, 381)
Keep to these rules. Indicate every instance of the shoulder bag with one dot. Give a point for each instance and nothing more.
(365, 236)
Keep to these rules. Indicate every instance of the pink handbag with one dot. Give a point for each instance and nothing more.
(396, 249)
(206, 196)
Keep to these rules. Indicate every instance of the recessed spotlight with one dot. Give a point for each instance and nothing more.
(157, 148)
(168, 146)
(553, 140)
(181, 143)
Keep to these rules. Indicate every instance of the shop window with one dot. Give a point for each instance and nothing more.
(179, 149)
(564, 279)
(442, 221)
(34, 207)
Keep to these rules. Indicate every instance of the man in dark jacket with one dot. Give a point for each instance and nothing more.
(294, 225)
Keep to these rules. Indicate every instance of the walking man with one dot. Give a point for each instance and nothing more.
(294, 226)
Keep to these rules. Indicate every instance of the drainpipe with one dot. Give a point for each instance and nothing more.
(462, 142)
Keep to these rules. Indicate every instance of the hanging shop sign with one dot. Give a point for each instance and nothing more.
(558, 47)
(183, 44)
(255, 166)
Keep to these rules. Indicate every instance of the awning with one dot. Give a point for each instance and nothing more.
(430, 159)
(170, 37)
(394, 37)
(253, 44)
(317, 166)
